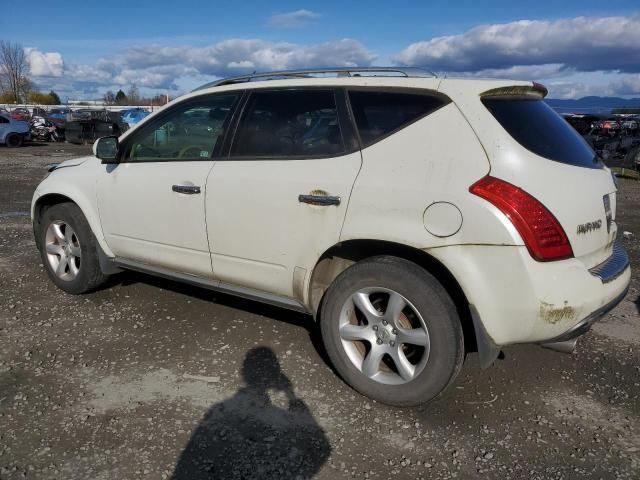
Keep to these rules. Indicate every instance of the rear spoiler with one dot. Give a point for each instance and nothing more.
(536, 90)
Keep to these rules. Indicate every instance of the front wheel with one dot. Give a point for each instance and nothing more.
(69, 249)
(13, 140)
(392, 331)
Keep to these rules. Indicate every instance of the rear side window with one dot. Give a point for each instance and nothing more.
(379, 114)
(289, 123)
(538, 128)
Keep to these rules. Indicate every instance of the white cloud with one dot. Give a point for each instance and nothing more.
(573, 57)
(159, 67)
(294, 19)
(626, 85)
(44, 63)
(242, 64)
(582, 43)
(230, 56)
(567, 90)
(518, 72)
(525, 72)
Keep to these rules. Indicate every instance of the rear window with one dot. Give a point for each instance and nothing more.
(539, 129)
(379, 114)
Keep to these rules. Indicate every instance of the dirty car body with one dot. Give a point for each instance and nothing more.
(395, 209)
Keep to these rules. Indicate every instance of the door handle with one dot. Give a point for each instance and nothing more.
(186, 189)
(322, 200)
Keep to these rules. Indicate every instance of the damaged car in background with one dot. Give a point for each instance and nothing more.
(87, 125)
(615, 139)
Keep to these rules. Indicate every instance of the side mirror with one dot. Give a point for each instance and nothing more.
(106, 149)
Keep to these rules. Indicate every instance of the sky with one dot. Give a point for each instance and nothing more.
(81, 49)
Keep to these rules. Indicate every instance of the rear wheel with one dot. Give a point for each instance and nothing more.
(69, 249)
(392, 332)
(13, 140)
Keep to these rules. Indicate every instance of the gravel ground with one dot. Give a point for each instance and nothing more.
(152, 379)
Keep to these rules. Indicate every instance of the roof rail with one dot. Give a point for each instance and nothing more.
(409, 72)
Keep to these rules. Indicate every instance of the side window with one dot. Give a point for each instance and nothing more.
(3, 120)
(190, 131)
(289, 123)
(379, 114)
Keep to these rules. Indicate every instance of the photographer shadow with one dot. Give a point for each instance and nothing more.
(248, 436)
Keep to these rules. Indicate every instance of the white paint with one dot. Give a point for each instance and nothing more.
(258, 232)
(442, 219)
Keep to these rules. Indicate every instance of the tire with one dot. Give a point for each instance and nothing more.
(69, 250)
(13, 140)
(351, 336)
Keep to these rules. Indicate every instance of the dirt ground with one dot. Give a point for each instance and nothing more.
(153, 379)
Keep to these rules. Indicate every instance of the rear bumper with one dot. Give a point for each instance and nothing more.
(612, 267)
(584, 325)
(518, 300)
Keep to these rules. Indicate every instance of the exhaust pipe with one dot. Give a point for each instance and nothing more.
(568, 346)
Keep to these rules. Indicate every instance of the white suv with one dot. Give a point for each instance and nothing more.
(416, 218)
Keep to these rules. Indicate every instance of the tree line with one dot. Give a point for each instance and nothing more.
(132, 97)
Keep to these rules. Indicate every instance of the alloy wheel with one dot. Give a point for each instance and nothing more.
(384, 335)
(63, 250)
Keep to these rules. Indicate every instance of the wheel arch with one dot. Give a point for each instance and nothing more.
(342, 255)
(47, 200)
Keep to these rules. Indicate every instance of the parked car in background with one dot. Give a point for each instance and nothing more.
(631, 124)
(86, 125)
(133, 116)
(21, 114)
(59, 113)
(583, 123)
(13, 133)
(414, 217)
(58, 116)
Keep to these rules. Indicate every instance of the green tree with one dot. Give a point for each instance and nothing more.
(121, 98)
(40, 98)
(55, 98)
(8, 97)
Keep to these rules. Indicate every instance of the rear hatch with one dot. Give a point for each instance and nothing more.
(543, 155)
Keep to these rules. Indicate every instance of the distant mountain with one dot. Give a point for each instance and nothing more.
(592, 104)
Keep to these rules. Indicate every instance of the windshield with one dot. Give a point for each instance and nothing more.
(539, 129)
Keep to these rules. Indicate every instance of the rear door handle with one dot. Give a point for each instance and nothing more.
(322, 200)
(186, 189)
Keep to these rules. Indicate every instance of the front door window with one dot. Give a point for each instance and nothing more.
(191, 131)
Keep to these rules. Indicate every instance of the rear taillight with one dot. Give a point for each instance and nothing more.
(541, 232)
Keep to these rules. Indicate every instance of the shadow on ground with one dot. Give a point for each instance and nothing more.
(254, 307)
(248, 436)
